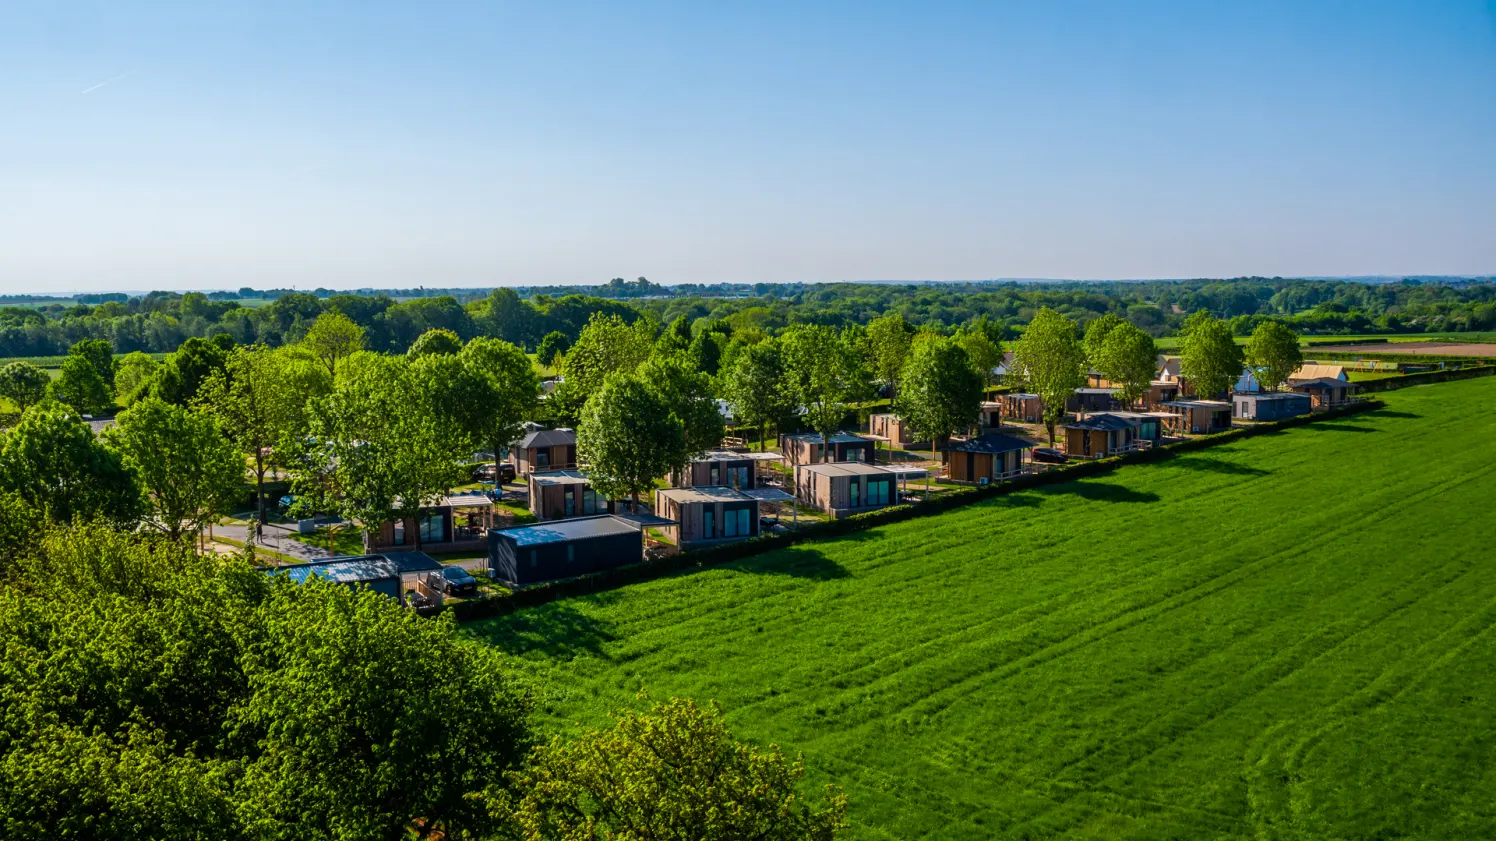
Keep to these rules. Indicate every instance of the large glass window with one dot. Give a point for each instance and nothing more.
(542, 459)
(433, 528)
(589, 501)
(708, 526)
(739, 477)
(571, 502)
(877, 492)
(716, 474)
(400, 532)
(745, 522)
(855, 489)
(729, 524)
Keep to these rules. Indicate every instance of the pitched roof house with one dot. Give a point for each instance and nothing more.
(1102, 435)
(992, 457)
(545, 449)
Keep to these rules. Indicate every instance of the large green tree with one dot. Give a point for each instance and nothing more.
(674, 773)
(756, 388)
(23, 384)
(332, 338)
(607, 345)
(53, 462)
(178, 378)
(1210, 358)
(1129, 360)
(1273, 353)
(444, 342)
(133, 375)
(79, 385)
(687, 391)
(513, 393)
(552, 349)
(985, 354)
(260, 399)
(190, 472)
(628, 438)
(100, 355)
(942, 392)
(1051, 363)
(888, 341)
(825, 375)
(1095, 337)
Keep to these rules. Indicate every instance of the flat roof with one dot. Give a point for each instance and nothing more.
(905, 471)
(731, 455)
(1272, 395)
(845, 468)
(647, 520)
(834, 438)
(706, 493)
(467, 500)
(768, 495)
(1320, 382)
(1122, 413)
(1104, 421)
(350, 570)
(1088, 390)
(413, 561)
(559, 477)
(564, 531)
(992, 442)
(1023, 395)
(1199, 404)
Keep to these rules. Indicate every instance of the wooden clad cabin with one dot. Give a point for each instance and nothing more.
(545, 449)
(1270, 405)
(1200, 417)
(557, 494)
(726, 468)
(1159, 392)
(1028, 408)
(805, 447)
(848, 488)
(1325, 392)
(457, 522)
(708, 514)
(891, 427)
(992, 457)
(1151, 425)
(1101, 435)
(1092, 400)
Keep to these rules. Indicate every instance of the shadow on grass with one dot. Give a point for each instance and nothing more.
(1101, 492)
(557, 630)
(799, 562)
(1215, 465)
(1344, 427)
(1390, 413)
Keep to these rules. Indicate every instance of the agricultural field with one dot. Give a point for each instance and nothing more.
(1286, 637)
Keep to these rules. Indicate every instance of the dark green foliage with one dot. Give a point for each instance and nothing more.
(436, 342)
(80, 386)
(53, 462)
(23, 384)
(183, 372)
(553, 344)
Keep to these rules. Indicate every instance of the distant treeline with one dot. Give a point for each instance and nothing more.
(160, 321)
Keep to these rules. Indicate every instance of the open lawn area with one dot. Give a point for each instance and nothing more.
(1286, 637)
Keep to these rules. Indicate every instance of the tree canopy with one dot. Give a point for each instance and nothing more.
(439, 341)
(1210, 359)
(825, 375)
(1051, 363)
(332, 338)
(1128, 359)
(23, 384)
(888, 341)
(628, 437)
(942, 391)
(1273, 353)
(755, 387)
(53, 463)
(79, 385)
(608, 344)
(190, 472)
(514, 389)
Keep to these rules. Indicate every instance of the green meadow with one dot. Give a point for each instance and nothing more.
(1286, 637)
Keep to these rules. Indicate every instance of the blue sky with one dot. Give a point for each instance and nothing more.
(213, 145)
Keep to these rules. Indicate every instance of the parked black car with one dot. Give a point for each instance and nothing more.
(1049, 455)
(452, 581)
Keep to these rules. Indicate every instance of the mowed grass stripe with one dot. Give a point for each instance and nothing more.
(1149, 654)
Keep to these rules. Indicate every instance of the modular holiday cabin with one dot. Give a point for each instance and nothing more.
(1093, 400)
(1318, 371)
(456, 523)
(726, 468)
(1200, 417)
(1269, 405)
(891, 428)
(545, 449)
(557, 494)
(1325, 392)
(805, 447)
(708, 514)
(1102, 435)
(1159, 392)
(848, 488)
(563, 549)
(1151, 425)
(1024, 407)
(991, 457)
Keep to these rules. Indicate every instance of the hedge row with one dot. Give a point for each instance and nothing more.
(726, 553)
(1427, 378)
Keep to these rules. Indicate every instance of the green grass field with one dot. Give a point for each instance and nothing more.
(1286, 637)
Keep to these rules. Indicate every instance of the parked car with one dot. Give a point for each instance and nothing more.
(452, 581)
(1049, 455)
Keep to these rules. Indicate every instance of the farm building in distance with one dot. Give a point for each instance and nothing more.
(1269, 405)
(846, 488)
(563, 549)
(1318, 371)
(805, 447)
(556, 494)
(1101, 435)
(992, 457)
(1028, 408)
(544, 449)
(1200, 417)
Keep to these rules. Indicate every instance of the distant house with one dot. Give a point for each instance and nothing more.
(557, 494)
(1200, 417)
(545, 449)
(709, 514)
(848, 488)
(890, 427)
(992, 457)
(1101, 435)
(1314, 371)
(1004, 368)
(1170, 371)
(1088, 399)
(1269, 405)
(455, 523)
(1326, 392)
(1025, 407)
(724, 468)
(805, 447)
(563, 549)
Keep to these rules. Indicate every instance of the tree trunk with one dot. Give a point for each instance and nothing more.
(1049, 425)
(368, 541)
(763, 435)
(634, 503)
(260, 483)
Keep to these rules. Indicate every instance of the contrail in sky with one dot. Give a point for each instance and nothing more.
(107, 82)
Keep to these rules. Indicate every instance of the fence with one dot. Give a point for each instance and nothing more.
(727, 553)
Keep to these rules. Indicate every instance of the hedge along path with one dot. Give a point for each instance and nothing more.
(1288, 637)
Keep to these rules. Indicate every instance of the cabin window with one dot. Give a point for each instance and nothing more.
(729, 523)
(589, 501)
(745, 522)
(854, 490)
(571, 502)
(542, 459)
(877, 492)
(738, 477)
(716, 474)
(433, 528)
(571, 553)
(400, 532)
(708, 524)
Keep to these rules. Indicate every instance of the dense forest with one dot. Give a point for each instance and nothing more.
(161, 321)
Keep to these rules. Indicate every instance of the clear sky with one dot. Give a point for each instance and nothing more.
(218, 144)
